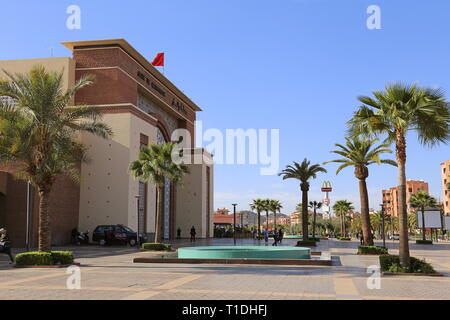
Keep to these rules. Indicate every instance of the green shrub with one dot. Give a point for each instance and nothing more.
(344, 238)
(421, 266)
(157, 246)
(389, 263)
(372, 250)
(62, 257)
(306, 243)
(396, 268)
(44, 258)
(34, 259)
(424, 242)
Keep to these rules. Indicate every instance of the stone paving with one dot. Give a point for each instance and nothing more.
(109, 273)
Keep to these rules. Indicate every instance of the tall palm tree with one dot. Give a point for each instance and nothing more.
(360, 153)
(342, 209)
(303, 172)
(275, 206)
(258, 205)
(421, 200)
(38, 133)
(315, 205)
(395, 111)
(155, 165)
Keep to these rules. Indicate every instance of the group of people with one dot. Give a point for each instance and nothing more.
(277, 236)
(193, 233)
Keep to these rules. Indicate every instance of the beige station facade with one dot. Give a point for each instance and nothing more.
(142, 107)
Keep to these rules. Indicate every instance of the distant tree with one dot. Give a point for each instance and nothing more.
(422, 200)
(303, 172)
(314, 205)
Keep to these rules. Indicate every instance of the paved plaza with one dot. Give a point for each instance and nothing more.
(109, 273)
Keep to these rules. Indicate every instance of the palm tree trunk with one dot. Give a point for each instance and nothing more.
(44, 221)
(259, 225)
(159, 214)
(343, 223)
(423, 225)
(314, 224)
(267, 219)
(402, 214)
(275, 219)
(365, 217)
(305, 215)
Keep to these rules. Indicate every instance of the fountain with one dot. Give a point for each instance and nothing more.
(244, 252)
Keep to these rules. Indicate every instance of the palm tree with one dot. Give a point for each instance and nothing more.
(360, 153)
(375, 221)
(412, 222)
(303, 172)
(394, 112)
(258, 205)
(275, 206)
(155, 165)
(266, 208)
(342, 208)
(38, 133)
(421, 200)
(315, 205)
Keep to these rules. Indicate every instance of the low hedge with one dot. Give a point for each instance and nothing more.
(372, 250)
(424, 242)
(344, 238)
(62, 257)
(306, 243)
(157, 246)
(44, 258)
(390, 263)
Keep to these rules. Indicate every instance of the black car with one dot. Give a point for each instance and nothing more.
(121, 235)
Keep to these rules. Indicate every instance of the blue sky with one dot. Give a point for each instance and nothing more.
(293, 65)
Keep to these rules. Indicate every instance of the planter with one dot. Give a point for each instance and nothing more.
(424, 242)
(310, 243)
(55, 266)
(412, 274)
(372, 250)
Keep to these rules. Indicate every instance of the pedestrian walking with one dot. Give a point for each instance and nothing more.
(275, 237)
(5, 244)
(193, 233)
(280, 235)
(361, 239)
(179, 233)
(266, 236)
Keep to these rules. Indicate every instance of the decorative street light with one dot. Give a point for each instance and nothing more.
(234, 222)
(382, 225)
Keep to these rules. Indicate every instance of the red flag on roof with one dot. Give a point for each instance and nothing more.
(159, 60)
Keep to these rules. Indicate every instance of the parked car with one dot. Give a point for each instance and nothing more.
(121, 235)
(395, 236)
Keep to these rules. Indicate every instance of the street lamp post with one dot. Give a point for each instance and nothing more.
(138, 239)
(234, 222)
(382, 225)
